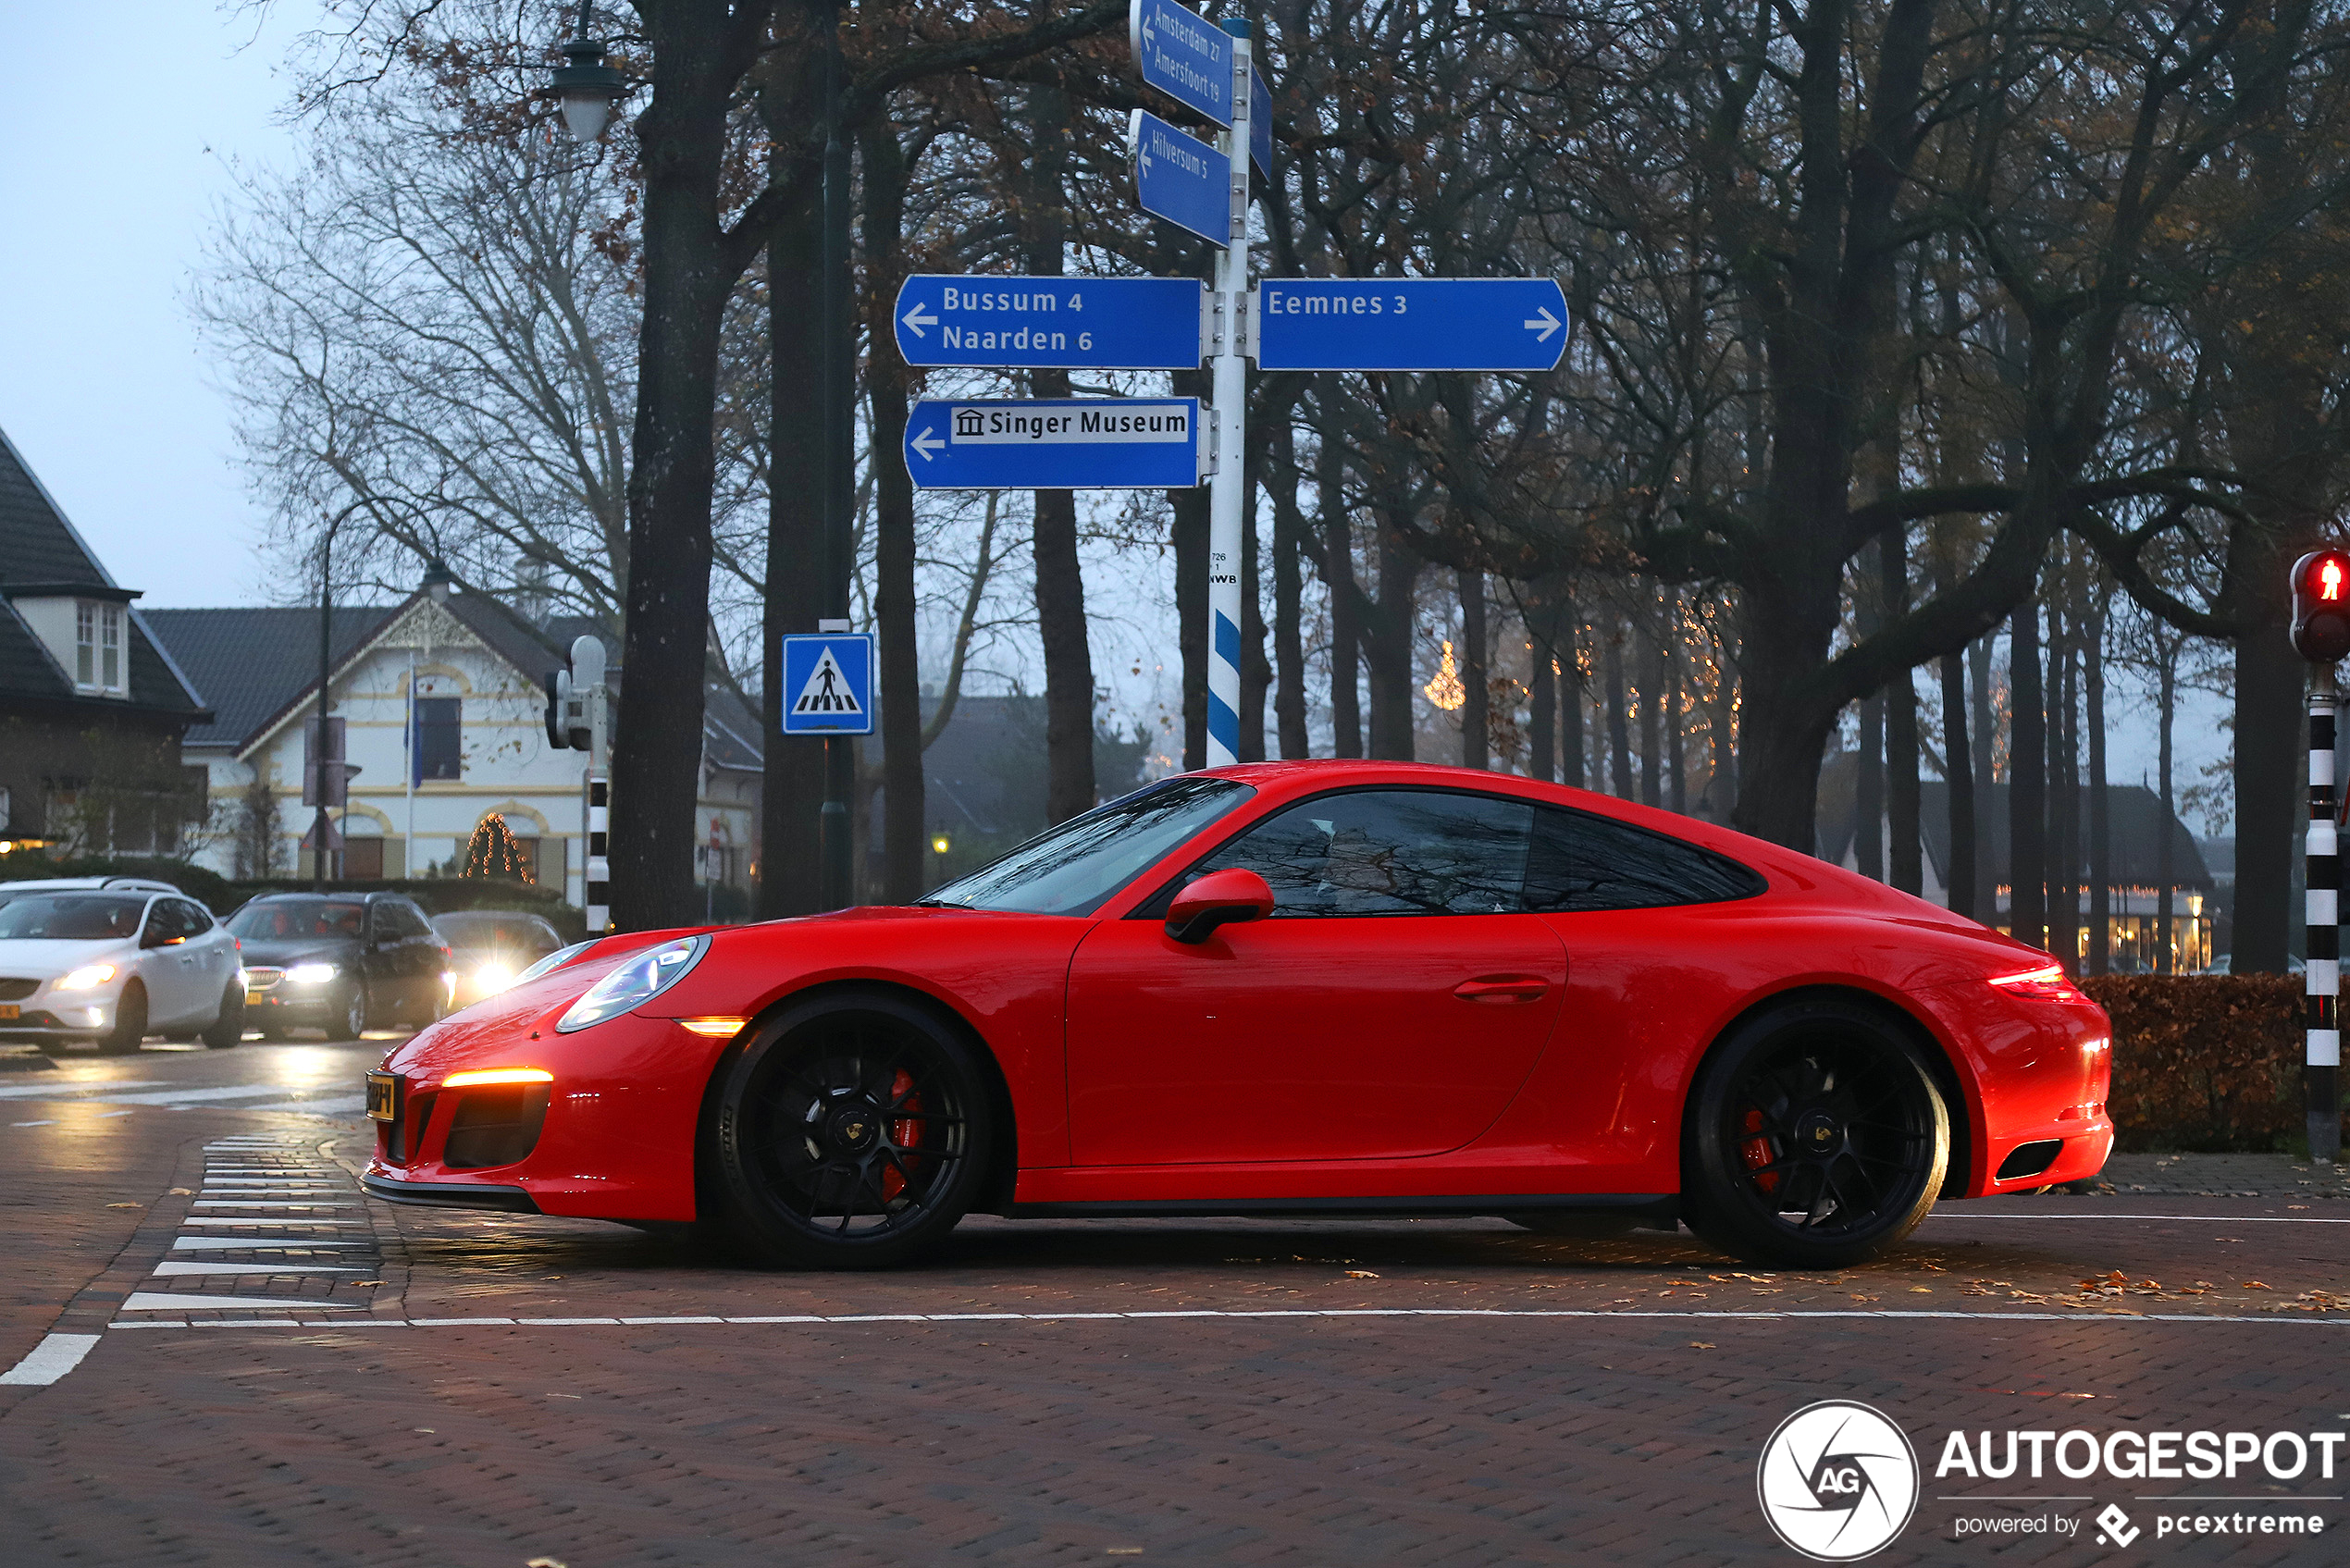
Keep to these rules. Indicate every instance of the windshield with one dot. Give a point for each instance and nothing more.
(511, 934)
(1072, 869)
(71, 917)
(297, 920)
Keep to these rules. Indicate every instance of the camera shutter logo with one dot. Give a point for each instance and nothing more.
(1837, 1481)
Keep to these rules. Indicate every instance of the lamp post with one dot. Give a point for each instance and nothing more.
(587, 86)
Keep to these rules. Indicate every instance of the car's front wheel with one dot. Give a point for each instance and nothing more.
(1815, 1138)
(852, 1132)
(229, 1028)
(130, 1022)
(354, 1013)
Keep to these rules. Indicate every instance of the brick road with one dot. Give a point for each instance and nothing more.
(1608, 1406)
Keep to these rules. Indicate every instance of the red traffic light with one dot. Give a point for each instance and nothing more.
(2322, 606)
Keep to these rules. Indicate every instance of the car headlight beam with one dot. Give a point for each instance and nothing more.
(310, 974)
(89, 977)
(638, 979)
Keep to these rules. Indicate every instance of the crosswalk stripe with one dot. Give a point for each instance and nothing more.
(259, 1243)
(165, 1269)
(157, 1301)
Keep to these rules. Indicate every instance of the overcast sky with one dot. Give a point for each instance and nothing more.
(119, 119)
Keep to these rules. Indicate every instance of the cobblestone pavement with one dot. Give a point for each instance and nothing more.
(403, 1385)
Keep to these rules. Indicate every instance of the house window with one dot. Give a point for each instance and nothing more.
(85, 645)
(110, 646)
(439, 754)
(362, 860)
(98, 646)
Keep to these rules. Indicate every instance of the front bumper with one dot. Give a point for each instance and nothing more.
(58, 1018)
(451, 1194)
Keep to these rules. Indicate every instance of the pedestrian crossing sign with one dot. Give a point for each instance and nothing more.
(828, 684)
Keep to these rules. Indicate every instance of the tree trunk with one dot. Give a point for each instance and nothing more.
(904, 839)
(1958, 772)
(2027, 781)
(1289, 638)
(1651, 677)
(1542, 723)
(2100, 833)
(1475, 694)
(2064, 783)
(2165, 873)
(1903, 859)
(1573, 768)
(792, 797)
(1677, 763)
(657, 756)
(1188, 529)
(1338, 575)
(2270, 730)
(1389, 648)
(1985, 761)
(1619, 728)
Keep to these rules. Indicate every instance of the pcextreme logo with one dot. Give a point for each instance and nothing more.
(1837, 1481)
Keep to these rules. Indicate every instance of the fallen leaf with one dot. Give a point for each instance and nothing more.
(2255, 1285)
(126, 1205)
(189, 1192)
(1351, 1274)
(545, 1563)
(1700, 1344)
(1921, 1289)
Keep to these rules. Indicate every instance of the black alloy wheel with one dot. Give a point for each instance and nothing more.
(852, 1132)
(130, 1022)
(354, 1012)
(1815, 1138)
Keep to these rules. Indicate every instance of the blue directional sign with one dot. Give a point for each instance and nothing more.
(1410, 324)
(828, 684)
(1075, 323)
(1183, 55)
(1055, 444)
(1180, 179)
(1261, 123)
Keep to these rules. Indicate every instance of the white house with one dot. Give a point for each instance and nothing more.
(443, 706)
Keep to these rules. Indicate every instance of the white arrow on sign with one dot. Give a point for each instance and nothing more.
(1546, 321)
(928, 444)
(918, 318)
(1150, 37)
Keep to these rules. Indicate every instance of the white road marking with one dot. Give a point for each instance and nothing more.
(156, 1301)
(257, 1244)
(33, 1124)
(176, 1269)
(245, 1204)
(72, 1086)
(2194, 1218)
(288, 1224)
(109, 1116)
(950, 1317)
(203, 1096)
(341, 1105)
(56, 1356)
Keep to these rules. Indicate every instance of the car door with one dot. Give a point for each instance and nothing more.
(212, 956)
(383, 960)
(168, 964)
(1390, 1007)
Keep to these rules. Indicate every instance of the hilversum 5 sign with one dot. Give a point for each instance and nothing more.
(1043, 323)
(1410, 324)
(1055, 444)
(1180, 178)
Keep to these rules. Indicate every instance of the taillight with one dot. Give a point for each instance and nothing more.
(2047, 984)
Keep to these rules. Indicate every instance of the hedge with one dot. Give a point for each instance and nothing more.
(435, 895)
(2205, 1062)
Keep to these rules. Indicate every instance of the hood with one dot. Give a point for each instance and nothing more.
(41, 958)
(332, 949)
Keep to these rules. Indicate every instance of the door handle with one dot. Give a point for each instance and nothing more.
(1504, 988)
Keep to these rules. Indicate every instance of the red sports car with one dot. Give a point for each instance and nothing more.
(1292, 988)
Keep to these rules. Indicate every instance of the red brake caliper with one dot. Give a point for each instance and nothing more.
(1756, 1152)
(905, 1133)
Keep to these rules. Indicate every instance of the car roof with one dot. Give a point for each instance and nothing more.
(88, 884)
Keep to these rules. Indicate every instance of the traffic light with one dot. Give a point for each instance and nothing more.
(2322, 606)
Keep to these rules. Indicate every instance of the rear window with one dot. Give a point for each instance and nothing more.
(297, 920)
(1582, 861)
(508, 934)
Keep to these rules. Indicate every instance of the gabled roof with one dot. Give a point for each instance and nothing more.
(41, 551)
(254, 663)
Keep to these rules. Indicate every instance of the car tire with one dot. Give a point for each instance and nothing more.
(229, 1028)
(1574, 1225)
(130, 1022)
(354, 1022)
(1814, 1137)
(853, 1131)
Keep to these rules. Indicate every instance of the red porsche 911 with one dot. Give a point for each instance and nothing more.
(1292, 988)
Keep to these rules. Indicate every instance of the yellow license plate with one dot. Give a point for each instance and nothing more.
(383, 1095)
(9, 1010)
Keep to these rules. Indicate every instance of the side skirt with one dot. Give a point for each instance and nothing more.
(1661, 1209)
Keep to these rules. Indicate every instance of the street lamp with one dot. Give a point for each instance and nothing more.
(586, 86)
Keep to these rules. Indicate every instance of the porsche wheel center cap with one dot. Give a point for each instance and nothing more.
(1817, 1133)
(854, 1127)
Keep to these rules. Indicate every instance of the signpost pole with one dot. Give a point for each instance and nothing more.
(1227, 489)
(2321, 1009)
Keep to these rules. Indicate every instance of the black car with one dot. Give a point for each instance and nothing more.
(339, 961)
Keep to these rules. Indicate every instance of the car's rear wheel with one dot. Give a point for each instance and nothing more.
(1815, 1138)
(130, 1022)
(354, 1014)
(852, 1132)
(229, 1028)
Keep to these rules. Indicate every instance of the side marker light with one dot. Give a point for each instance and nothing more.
(715, 1028)
(479, 1076)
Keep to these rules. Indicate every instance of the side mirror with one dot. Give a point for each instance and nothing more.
(155, 937)
(1224, 897)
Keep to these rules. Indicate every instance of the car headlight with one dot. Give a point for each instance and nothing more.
(87, 978)
(310, 974)
(555, 960)
(637, 981)
(490, 979)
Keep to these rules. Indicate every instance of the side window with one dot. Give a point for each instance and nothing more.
(1389, 852)
(1581, 861)
(193, 918)
(440, 743)
(412, 922)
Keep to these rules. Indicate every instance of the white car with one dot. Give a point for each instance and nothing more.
(114, 966)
